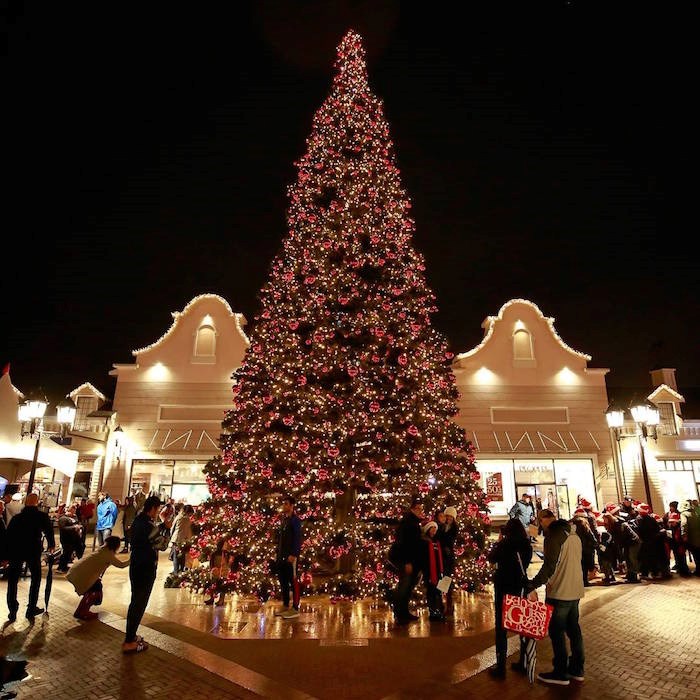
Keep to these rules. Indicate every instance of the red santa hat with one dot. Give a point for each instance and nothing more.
(657, 517)
(579, 511)
(643, 509)
(612, 508)
(585, 503)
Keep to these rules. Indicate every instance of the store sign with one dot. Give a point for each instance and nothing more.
(494, 486)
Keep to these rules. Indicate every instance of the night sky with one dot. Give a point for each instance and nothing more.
(148, 153)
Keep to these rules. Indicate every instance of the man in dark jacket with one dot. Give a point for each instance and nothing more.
(408, 549)
(24, 541)
(146, 542)
(288, 551)
(70, 534)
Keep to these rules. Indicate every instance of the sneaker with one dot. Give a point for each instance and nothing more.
(33, 612)
(552, 678)
(290, 614)
(576, 676)
(279, 612)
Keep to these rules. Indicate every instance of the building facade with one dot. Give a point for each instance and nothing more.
(535, 412)
(170, 402)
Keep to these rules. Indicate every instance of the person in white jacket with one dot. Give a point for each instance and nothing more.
(86, 576)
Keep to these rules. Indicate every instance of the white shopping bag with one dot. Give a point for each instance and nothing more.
(444, 584)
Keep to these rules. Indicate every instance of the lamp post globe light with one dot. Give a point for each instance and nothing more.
(65, 415)
(30, 415)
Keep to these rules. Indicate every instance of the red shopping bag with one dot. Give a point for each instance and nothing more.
(527, 618)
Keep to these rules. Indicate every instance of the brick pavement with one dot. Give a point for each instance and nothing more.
(641, 642)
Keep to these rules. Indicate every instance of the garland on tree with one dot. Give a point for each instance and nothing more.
(346, 395)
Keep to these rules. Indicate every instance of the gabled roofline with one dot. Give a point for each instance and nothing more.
(240, 321)
(89, 386)
(490, 322)
(666, 387)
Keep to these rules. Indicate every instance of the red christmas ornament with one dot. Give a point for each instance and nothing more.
(353, 371)
(403, 360)
(412, 430)
(374, 407)
(303, 445)
(333, 452)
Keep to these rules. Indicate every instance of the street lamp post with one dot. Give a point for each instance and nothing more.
(646, 416)
(31, 412)
(616, 418)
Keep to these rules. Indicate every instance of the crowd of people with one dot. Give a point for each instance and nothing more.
(625, 540)
(149, 526)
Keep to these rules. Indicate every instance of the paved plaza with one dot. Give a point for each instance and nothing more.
(642, 641)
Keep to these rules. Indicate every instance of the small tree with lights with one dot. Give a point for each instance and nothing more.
(346, 395)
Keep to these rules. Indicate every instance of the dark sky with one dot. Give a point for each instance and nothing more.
(148, 149)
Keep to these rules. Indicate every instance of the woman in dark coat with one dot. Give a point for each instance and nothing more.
(447, 534)
(508, 578)
(589, 544)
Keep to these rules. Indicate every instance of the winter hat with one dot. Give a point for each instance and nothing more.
(579, 511)
(612, 508)
(427, 526)
(643, 509)
(450, 510)
(585, 503)
(657, 517)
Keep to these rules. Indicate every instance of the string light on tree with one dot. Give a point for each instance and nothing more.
(346, 395)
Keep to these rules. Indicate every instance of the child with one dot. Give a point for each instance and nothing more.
(86, 576)
(433, 571)
(607, 558)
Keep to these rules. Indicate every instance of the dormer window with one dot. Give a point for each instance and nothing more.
(523, 352)
(205, 343)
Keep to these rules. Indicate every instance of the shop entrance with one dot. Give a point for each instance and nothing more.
(543, 496)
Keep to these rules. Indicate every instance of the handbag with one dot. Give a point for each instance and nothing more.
(526, 617)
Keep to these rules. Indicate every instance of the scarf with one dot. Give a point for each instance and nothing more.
(433, 560)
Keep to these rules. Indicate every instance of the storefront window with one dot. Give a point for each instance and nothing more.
(497, 482)
(574, 480)
(181, 480)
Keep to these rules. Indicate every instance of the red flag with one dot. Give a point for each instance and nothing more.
(6, 369)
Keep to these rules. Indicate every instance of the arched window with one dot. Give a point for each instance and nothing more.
(205, 342)
(522, 345)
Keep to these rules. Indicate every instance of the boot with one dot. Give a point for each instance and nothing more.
(82, 612)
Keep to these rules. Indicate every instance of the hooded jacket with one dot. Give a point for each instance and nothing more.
(561, 569)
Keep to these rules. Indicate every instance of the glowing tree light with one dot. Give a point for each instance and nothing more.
(346, 395)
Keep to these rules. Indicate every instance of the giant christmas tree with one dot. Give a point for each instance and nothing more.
(346, 395)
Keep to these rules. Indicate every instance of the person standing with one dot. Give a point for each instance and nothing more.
(511, 555)
(627, 509)
(408, 547)
(128, 515)
(86, 576)
(70, 535)
(524, 511)
(433, 570)
(14, 506)
(146, 542)
(672, 522)
(181, 533)
(140, 498)
(3, 542)
(690, 532)
(85, 513)
(562, 573)
(107, 513)
(24, 539)
(288, 551)
(447, 534)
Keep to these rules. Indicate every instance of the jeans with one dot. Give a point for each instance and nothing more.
(102, 535)
(142, 580)
(402, 595)
(289, 581)
(564, 623)
(13, 574)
